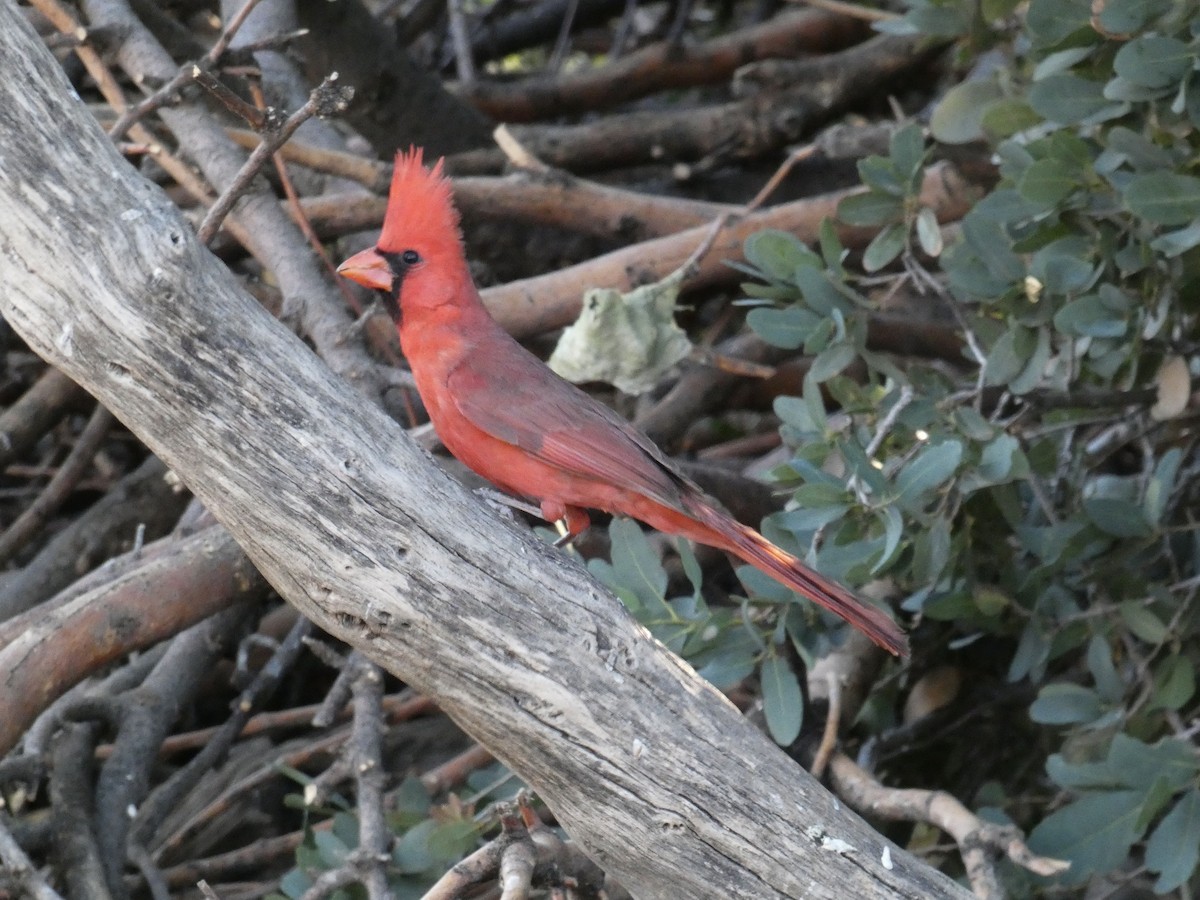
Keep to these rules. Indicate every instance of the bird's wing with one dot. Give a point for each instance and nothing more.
(515, 398)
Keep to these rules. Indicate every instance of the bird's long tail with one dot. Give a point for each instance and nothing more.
(750, 546)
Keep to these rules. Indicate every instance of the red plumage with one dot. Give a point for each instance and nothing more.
(507, 416)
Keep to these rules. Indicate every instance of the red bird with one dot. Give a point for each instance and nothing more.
(507, 416)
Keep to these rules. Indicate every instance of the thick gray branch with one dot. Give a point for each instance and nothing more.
(650, 769)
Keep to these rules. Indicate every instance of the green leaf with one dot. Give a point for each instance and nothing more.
(1174, 683)
(932, 467)
(452, 840)
(1164, 198)
(1143, 622)
(931, 552)
(832, 360)
(880, 174)
(1033, 651)
(1175, 243)
(870, 208)
(1139, 765)
(990, 601)
(777, 253)
(1128, 16)
(410, 801)
(1001, 460)
(885, 247)
(1035, 369)
(783, 704)
(1081, 775)
(821, 295)
(907, 150)
(793, 411)
(1154, 61)
(816, 403)
(1120, 518)
(691, 566)
(929, 233)
(788, 328)
(1048, 182)
(1050, 22)
(1068, 98)
(1065, 704)
(1172, 849)
(295, 883)
(635, 564)
(1161, 485)
(1095, 833)
(959, 115)
(730, 662)
(1004, 118)
(984, 231)
(1061, 61)
(995, 10)
(832, 250)
(1090, 316)
(1104, 673)
(1009, 355)
(331, 849)
(893, 530)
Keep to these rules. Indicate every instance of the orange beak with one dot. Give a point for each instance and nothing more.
(369, 269)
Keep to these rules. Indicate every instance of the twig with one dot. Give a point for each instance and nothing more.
(563, 43)
(795, 156)
(59, 487)
(832, 721)
(235, 23)
(151, 874)
(516, 152)
(165, 797)
(326, 99)
(977, 840)
(18, 867)
(886, 423)
(187, 74)
(372, 174)
(298, 214)
(464, 58)
(259, 119)
(519, 859)
(397, 707)
(456, 770)
(366, 750)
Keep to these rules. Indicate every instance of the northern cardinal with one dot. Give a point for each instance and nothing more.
(507, 416)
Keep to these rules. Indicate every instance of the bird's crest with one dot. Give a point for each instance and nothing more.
(420, 206)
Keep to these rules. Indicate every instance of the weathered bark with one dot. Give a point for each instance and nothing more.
(648, 767)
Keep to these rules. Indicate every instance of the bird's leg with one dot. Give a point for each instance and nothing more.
(574, 519)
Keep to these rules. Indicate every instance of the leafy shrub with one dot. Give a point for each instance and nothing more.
(1037, 496)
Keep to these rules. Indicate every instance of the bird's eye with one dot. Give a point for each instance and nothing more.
(410, 257)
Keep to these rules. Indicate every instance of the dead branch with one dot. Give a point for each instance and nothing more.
(661, 67)
(761, 122)
(143, 503)
(54, 649)
(980, 842)
(60, 486)
(38, 410)
(546, 302)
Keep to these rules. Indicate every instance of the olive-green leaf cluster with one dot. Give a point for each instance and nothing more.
(1037, 496)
